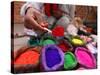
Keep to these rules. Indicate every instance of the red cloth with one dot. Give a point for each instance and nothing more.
(55, 7)
(48, 8)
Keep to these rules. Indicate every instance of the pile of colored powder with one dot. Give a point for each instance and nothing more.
(64, 47)
(69, 61)
(77, 41)
(28, 57)
(48, 41)
(33, 42)
(58, 31)
(85, 58)
(52, 57)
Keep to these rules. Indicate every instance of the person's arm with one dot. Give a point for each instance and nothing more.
(30, 20)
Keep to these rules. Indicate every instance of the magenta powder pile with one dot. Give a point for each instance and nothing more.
(85, 58)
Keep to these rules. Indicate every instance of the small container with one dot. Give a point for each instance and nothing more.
(33, 42)
(58, 31)
(47, 41)
(27, 61)
(85, 58)
(65, 46)
(77, 41)
(70, 61)
(52, 58)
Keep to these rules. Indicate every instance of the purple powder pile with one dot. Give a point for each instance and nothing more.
(52, 57)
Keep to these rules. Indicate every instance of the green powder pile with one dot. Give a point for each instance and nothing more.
(48, 41)
(69, 61)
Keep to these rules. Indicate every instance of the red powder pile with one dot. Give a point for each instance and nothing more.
(28, 57)
(58, 31)
(64, 46)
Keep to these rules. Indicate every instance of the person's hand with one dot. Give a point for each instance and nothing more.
(48, 30)
(44, 27)
(44, 24)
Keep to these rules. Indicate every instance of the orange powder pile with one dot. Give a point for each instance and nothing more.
(28, 57)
